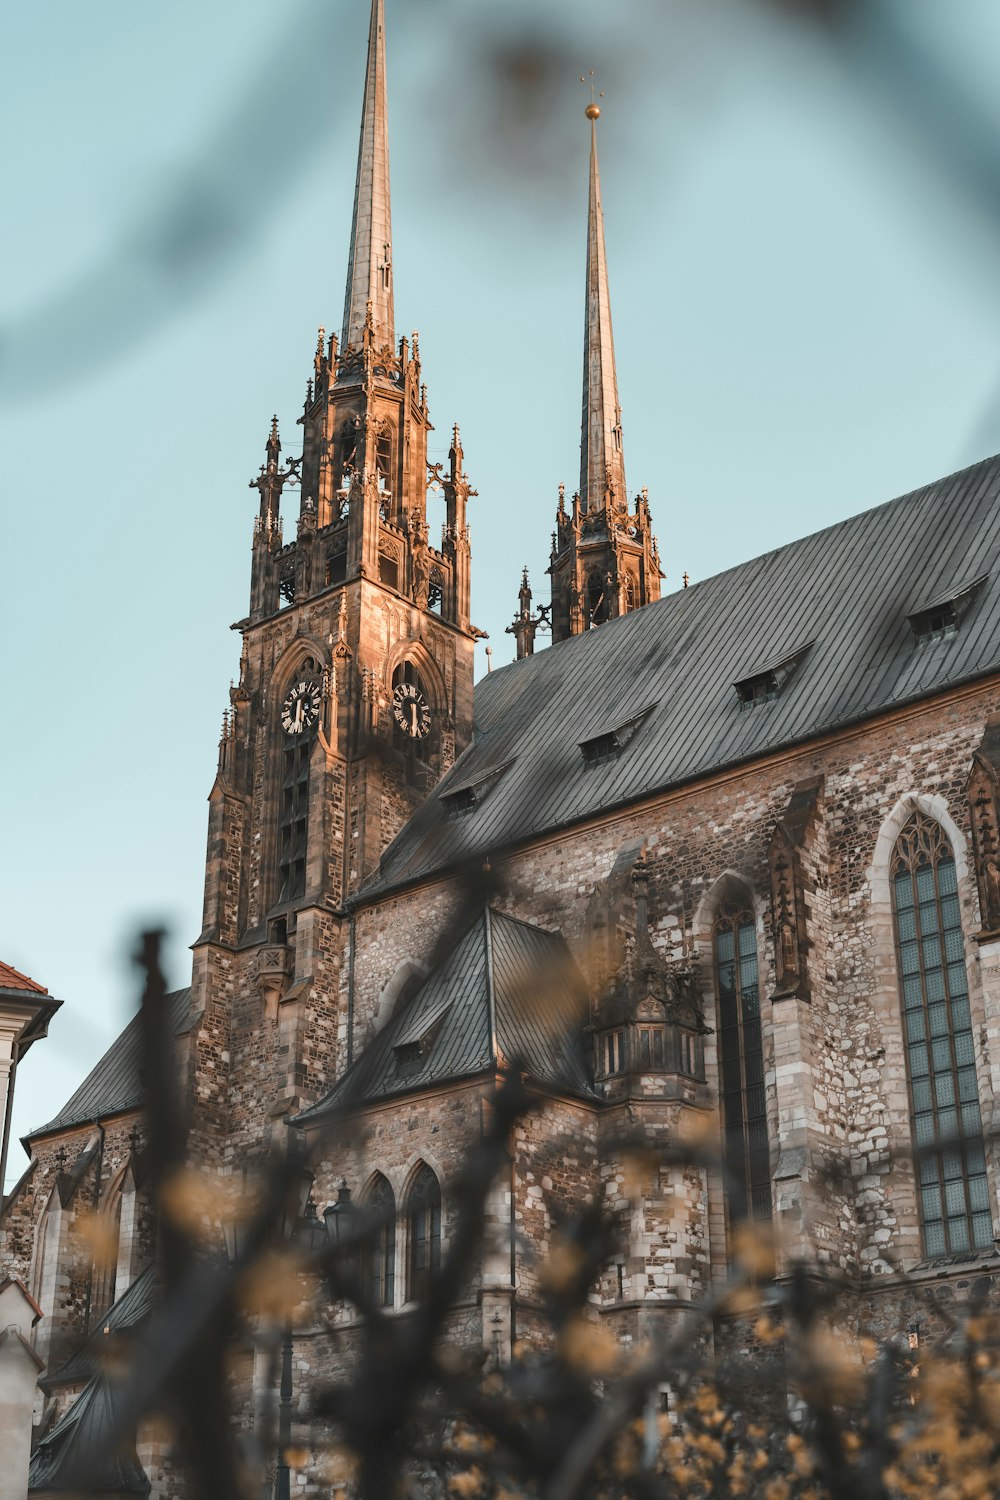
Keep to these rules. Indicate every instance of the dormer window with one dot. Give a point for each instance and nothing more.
(408, 1055)
(935, 624)
(413, 1048)
(464, 799)
(760, 689)
(943, 615)
(769, 680)
(611, 742)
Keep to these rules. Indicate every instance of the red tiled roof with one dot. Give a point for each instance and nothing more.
(12, 979)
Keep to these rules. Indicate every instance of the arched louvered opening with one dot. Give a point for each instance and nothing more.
(597, 599)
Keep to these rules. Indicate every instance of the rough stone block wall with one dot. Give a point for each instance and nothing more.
(65, 1280)
(837, 1104)
(556, 1176)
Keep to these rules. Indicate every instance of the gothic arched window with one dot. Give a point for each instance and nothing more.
(107, 1246)
(628, 592)
(380, 1257)
(940, 1054)
(741, 1064)
(423, 1233)
(345, 454)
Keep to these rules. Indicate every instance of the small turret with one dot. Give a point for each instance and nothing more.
(526, 624)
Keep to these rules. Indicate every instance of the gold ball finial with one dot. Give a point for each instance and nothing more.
(593, 110)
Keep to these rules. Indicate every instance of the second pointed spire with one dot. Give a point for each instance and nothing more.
(369, 269)
(601, 456)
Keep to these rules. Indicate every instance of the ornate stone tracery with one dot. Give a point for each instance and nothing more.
(984, 820)
(788, 892)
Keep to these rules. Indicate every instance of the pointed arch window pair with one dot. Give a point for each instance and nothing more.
(945, 1114)
(422, 1236)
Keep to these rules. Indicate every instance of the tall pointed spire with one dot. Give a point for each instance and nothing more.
(601, 457)
(369, 270)
(603, 564)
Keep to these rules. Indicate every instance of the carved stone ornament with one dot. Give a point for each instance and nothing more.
(788, 891)
(271, 974)
(788, 955)
(421, 575)
(985, 823)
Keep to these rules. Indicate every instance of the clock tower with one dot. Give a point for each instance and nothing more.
(354, 692)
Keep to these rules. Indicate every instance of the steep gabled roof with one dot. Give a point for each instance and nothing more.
(131, 1309)
(847, 591)
(508, 992)
(114, 1084)
(83, 1445)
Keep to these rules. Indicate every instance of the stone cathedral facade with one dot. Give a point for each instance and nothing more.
(755, 821)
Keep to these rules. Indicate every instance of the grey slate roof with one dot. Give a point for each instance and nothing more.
(507, 991)
(114, 1084)
(130, 1309)
(82, 1443)
(844, 592)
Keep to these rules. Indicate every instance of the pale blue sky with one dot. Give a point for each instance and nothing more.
(804, 247)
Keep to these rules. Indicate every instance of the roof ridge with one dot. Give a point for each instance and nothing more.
(119, 1059)
(760, 557)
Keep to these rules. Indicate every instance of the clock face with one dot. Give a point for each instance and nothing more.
(300, 710)
(411, 711)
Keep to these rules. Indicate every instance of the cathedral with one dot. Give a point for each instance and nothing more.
(754, 823)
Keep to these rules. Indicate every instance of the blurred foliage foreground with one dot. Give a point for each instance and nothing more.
(769, 1388)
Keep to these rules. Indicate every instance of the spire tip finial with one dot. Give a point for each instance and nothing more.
(593, 110)
(369, 273)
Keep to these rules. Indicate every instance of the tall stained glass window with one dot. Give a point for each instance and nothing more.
(741, 1065)
(423, 1210)
(380, 1259)
(940, 1055)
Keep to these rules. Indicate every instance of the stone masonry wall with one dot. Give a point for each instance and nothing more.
(835, 1073)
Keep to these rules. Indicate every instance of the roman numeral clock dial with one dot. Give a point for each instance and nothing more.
(300, 710)
(411, 711)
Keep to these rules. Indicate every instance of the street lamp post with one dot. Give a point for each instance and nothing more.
(311, 1235)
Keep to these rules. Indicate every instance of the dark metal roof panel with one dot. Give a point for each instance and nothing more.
(848, 589)
(114, 1084)
(131, 1308)
(537, 990)
(540, 1003)
(86, 1441)
(455, 991)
